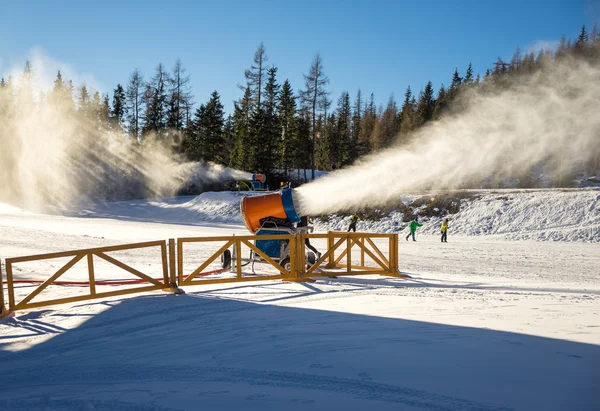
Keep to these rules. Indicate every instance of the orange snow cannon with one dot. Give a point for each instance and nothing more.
(277, 205)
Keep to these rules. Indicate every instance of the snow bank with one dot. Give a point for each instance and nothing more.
(542, 215)
(545, 215)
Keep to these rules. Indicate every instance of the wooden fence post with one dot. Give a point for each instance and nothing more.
(3, 311)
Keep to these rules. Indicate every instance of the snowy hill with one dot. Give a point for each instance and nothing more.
(544, 215)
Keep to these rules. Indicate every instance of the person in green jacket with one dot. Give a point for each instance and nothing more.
(413, 227)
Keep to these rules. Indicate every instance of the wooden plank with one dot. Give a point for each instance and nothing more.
(239, 280)
(349, 243)
(50, 280)
(207, 262)
(179, 261)
(22, 306)
(10, 286)
(378, 251)
(238, 259)
(165, 262)
(172, 258)
(345, 274)
(73, 253)
(2, 308)
(370, 254)
(91, 276)
(362, 252)
(265, 257)
(293, 256)
(325, 256)
(130, 269)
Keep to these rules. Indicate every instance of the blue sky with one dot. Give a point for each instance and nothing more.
(377, 46)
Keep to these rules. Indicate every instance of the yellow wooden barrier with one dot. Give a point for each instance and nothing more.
(337, 260)
(78, 255)
(236, 243)
(329, 264)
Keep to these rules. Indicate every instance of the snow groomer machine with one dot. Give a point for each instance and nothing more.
(274, 214)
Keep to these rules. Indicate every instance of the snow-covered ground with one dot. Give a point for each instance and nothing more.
(492, 320)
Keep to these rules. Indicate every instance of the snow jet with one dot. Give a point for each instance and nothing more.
(53, 156)
(547, 118)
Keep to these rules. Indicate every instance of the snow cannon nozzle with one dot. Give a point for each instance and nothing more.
(281, 204)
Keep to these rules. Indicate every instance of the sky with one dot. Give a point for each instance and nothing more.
(379, 46)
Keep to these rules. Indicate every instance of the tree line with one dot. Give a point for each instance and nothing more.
(275, 128)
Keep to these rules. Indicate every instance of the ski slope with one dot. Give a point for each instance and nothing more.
(492, 320)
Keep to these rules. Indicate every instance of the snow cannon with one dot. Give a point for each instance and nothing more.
(258, 181)
(278, 208)
(274, 214)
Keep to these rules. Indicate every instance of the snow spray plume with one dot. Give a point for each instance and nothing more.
(53, 155)
(548, 118)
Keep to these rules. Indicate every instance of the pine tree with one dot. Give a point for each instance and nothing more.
(135, 99)
(344, 132)
(228, 140)
(354, 148)
(315, 97)
(500, 67)
(326, 147)
(289, 127)
(59, 84)
(268, 140)
(119, 105)
(469, 75)
(96, 108)
(213, 126)
(426, 105)
(454, 86)
(583, 38)
(304, 143)
(407, 113)
(582, 45)
(441, 102)
(155, 97)
(242, 150)
(180, 98)
(196, 147)
(83, 101)
(367, 128)
(105, 112)
(516, 61)
(388, 126)
(59, 96)
(255, 75)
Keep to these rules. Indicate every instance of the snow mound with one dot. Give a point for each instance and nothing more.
(543, 215)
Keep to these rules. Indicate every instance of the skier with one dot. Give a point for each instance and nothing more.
(353, 220)
(413, 227)
(302, 225)
(445, 231)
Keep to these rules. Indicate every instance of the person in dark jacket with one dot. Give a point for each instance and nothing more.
(303, 226)
(413, 228)
(353, 220)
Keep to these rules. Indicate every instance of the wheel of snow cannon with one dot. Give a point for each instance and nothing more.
(226, 259)
(285, 263)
